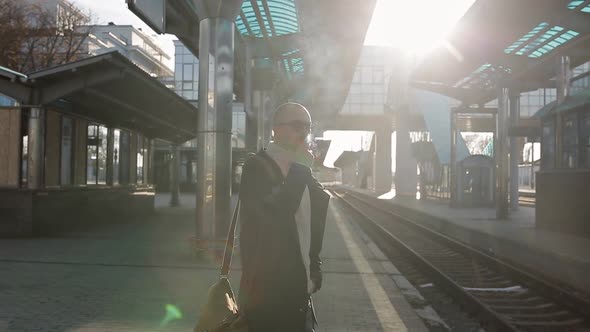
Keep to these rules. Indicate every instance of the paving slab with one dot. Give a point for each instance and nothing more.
(131, 276)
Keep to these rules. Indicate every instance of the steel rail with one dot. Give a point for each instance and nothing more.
(493, 320)
(559, 295)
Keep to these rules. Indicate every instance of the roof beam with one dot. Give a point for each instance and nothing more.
(119, 103)
(572, 19)
(58, 89)
(259, 18)
(270, 22)
(246, 24)
(449, 91)
(15, 90)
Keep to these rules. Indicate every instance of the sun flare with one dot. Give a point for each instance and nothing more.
(414, 26)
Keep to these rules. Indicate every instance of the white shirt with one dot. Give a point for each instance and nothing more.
(284, 158)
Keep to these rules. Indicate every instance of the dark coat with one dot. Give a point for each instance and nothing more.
(273, 289)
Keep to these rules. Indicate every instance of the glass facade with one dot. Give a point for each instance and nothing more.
(531, 102)
(238, 136)
(96, 154)
(116, 155)
(186, 72)
(548, 145)
(66, 151)
(141, 158)
(186, 85)
(570, 141)
(368, 90)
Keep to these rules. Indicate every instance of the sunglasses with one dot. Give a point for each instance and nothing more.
(297, 125)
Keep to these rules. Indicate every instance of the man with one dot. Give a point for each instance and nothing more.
(282, 218)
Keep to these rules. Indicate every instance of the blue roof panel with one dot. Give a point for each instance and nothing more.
(281, 15)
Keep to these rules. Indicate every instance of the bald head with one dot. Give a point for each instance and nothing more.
(288, 112)
(291, 124)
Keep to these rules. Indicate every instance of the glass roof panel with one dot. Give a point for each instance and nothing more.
(552, 44)
(281, 13)
(574, 4)
(541, 40)
(545, 39)
(540, 27)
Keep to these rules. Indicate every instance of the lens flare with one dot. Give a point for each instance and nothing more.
(172, 313)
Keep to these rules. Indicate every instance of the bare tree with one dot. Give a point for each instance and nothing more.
(34, 37)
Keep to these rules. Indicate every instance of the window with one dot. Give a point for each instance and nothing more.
(378, 75)
(367, 75)
(116, 155)
(548, 145)
(96, 154)
(124, 155)
(187, 72)
(238, 129)
(570, 141)
(91, 154)
(66, 151)
(140, 158)
(357, 76)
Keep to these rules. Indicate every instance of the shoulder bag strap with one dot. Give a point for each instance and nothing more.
(229, 244)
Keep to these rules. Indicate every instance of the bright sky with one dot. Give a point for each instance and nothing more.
(413, 25)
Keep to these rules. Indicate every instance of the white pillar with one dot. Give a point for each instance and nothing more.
(501, 153)
(514, 150)
(36, 144)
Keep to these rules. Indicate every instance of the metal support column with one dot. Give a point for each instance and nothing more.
(110, 150)
(151, 165)
(453, 165)
(216, 68)
(174, 169)
(532, 181)
(36, 147)
(406, 177)
(501, 155)
(382, 165)
(251, 114)
(563, 79)
(514, 149)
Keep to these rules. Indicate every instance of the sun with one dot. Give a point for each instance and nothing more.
(414, 26)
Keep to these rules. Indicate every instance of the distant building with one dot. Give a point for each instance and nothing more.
(131, 42)
(186, 84)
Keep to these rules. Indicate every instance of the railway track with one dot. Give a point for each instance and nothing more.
(526, 199)
(500, 296)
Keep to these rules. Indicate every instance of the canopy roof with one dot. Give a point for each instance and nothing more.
(516, 41)
(110, 89)
(318, 44)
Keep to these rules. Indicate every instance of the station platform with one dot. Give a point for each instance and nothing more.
(142, 276)
(559, 256)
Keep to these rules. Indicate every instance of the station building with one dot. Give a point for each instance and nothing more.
(77, 146)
